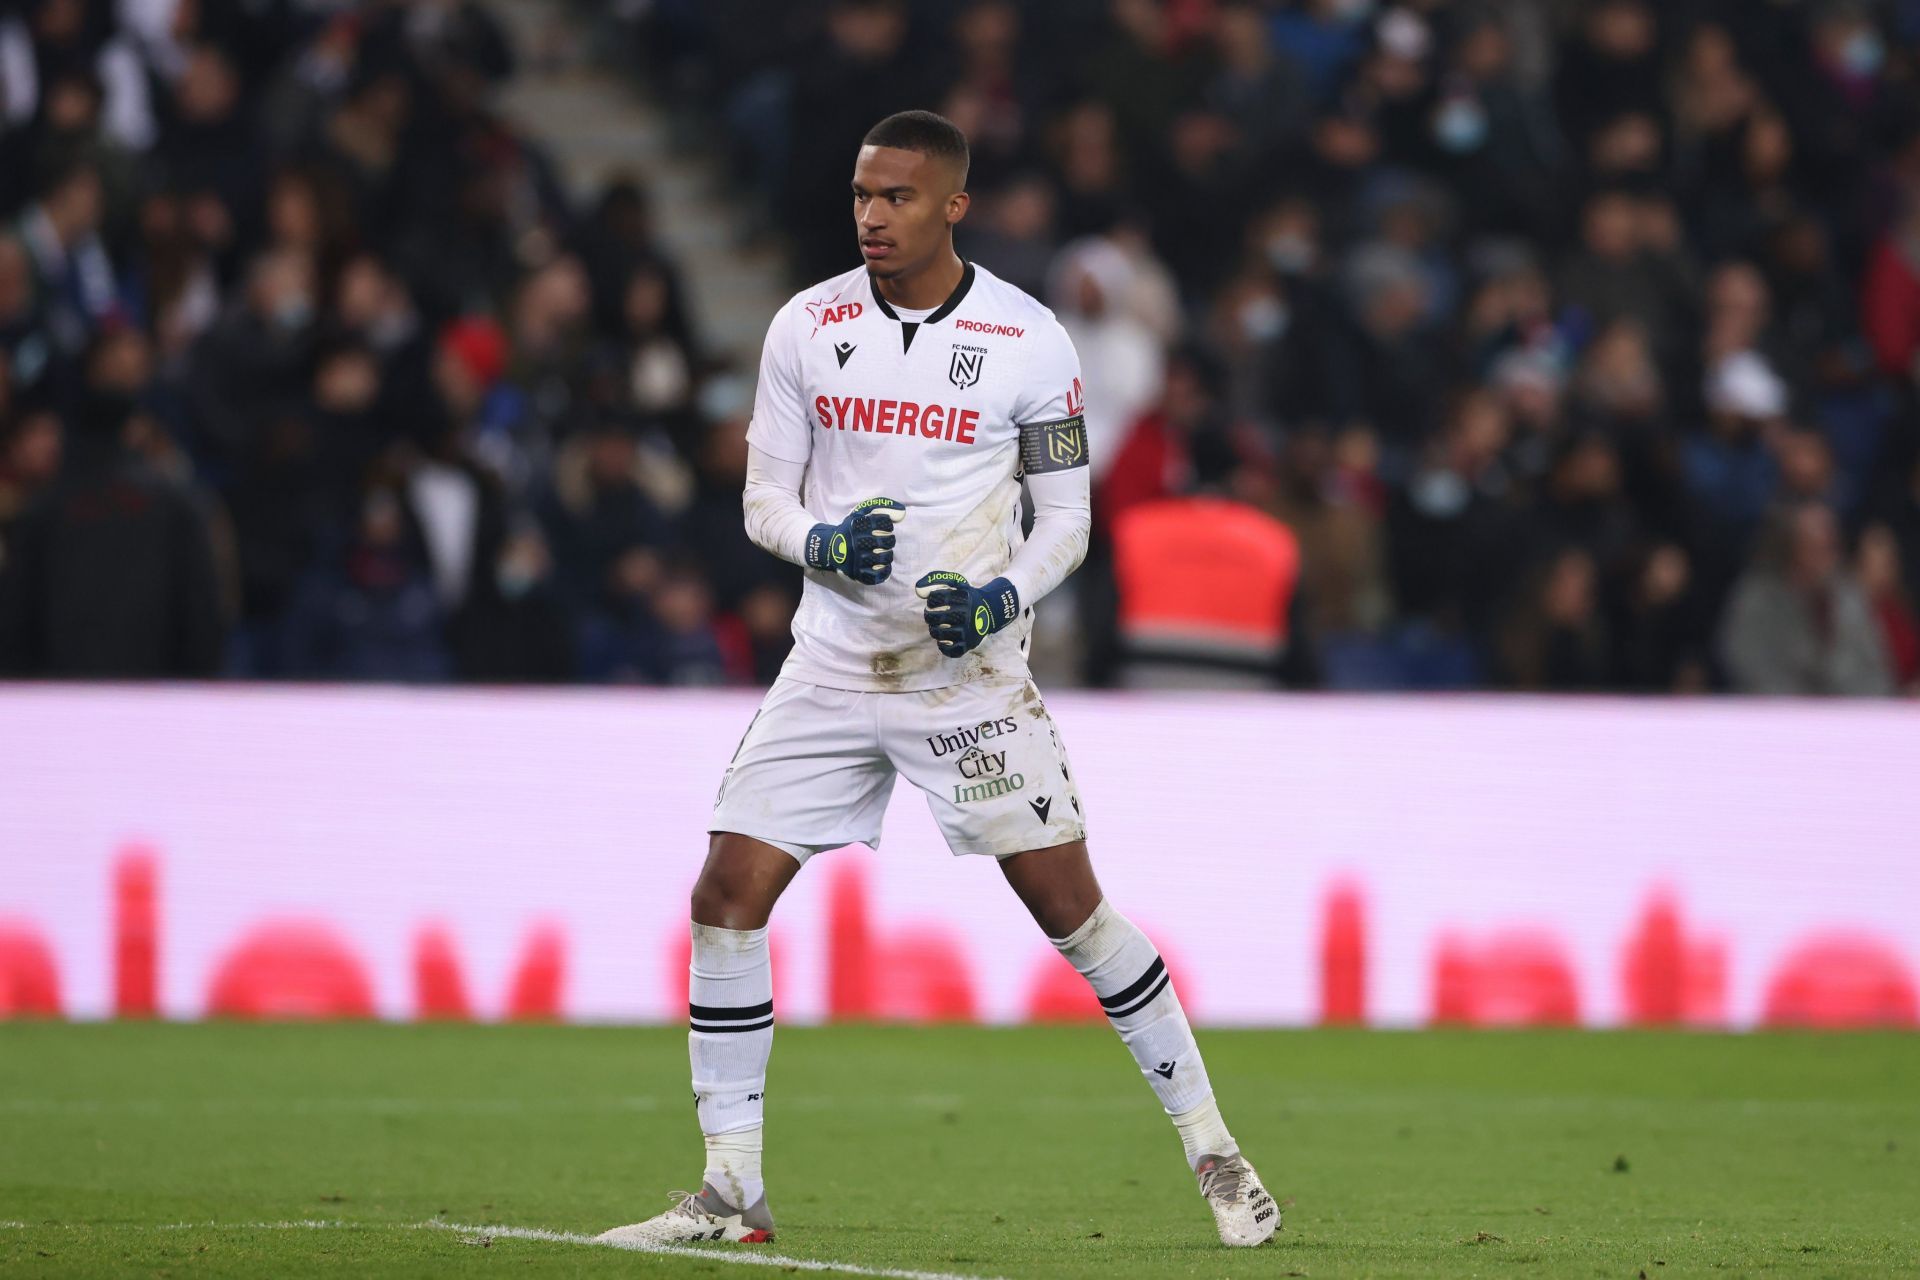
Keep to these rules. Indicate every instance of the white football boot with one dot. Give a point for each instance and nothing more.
(697, 1217)
(1242, 1209)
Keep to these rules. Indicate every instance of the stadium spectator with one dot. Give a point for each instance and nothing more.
(1219, 617)
(1256, 89)
(73, 277)
(602, 517)
(110, 572)
(1877, 566)
(1557, 640)
(515, 626)
(1891, 299)
(1657, 636)
(1092, 291)
(852, 75)
(1323, 38)
(369, 610)
(1012, 233)
(1454, 548)
(254, 359)
(29, 462)
(1799, 622)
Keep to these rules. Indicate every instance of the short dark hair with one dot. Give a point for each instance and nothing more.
(927, 132)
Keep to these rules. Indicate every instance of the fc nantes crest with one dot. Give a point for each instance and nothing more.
(1053, 446)
(964, 371)
(1067, 448)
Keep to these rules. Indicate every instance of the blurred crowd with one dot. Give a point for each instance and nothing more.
(310, 369)
(1575, 342)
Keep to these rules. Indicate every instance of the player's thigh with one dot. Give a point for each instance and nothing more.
(992, 765)
(809, 773)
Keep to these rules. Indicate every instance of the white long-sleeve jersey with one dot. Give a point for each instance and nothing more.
(944, 412)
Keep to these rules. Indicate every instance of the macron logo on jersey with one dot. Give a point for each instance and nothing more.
(896, 418)
(997, 330)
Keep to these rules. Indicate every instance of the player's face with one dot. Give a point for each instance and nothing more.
(904, 203)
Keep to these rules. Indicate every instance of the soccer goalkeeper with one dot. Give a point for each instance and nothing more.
(900, 406)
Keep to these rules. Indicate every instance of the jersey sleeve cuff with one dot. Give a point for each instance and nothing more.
(774, 448)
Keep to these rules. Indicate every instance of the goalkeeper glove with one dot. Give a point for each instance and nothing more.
(861, 546)
(960, 615)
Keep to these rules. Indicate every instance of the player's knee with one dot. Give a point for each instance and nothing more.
(725, 902)
(1063, 907)
(710, 902)
(1068, 916)
(1063, 916)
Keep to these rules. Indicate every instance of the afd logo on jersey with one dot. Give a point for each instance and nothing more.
(966, 366)
(825, 313)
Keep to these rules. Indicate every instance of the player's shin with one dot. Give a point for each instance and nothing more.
(730, 1019)
(1127, 974)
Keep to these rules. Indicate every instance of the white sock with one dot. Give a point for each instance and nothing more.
(1203, 1133)
(733, 1166)
(730, 1016)
(1126, 972)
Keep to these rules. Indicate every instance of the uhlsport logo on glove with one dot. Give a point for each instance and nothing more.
(960, 615)
(860, 546)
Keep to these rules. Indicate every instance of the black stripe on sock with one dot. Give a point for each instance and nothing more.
(1145, 980)
(721, 1013)
(1151, 995)
(719, 1028)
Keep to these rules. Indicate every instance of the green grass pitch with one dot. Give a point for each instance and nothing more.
(169, 1150)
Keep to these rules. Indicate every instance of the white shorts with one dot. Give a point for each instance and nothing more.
(816, 767)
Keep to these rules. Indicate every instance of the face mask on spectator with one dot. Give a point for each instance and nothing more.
(1264, 318)
(724, 397)
(390, 329)
(515, 580)
(1439, 495)
(1290, 254)
(293, 312)
(1460, 125)
(1862, 54)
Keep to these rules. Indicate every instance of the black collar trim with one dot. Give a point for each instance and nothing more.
(940, 313)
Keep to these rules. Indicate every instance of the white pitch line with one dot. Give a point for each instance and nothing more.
(351, 1105)
(457, 1106)
(742, 1257)
(287, 1224)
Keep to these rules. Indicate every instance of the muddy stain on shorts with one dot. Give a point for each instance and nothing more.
(1030, 699)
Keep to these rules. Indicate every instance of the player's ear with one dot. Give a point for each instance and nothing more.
(957, 204)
